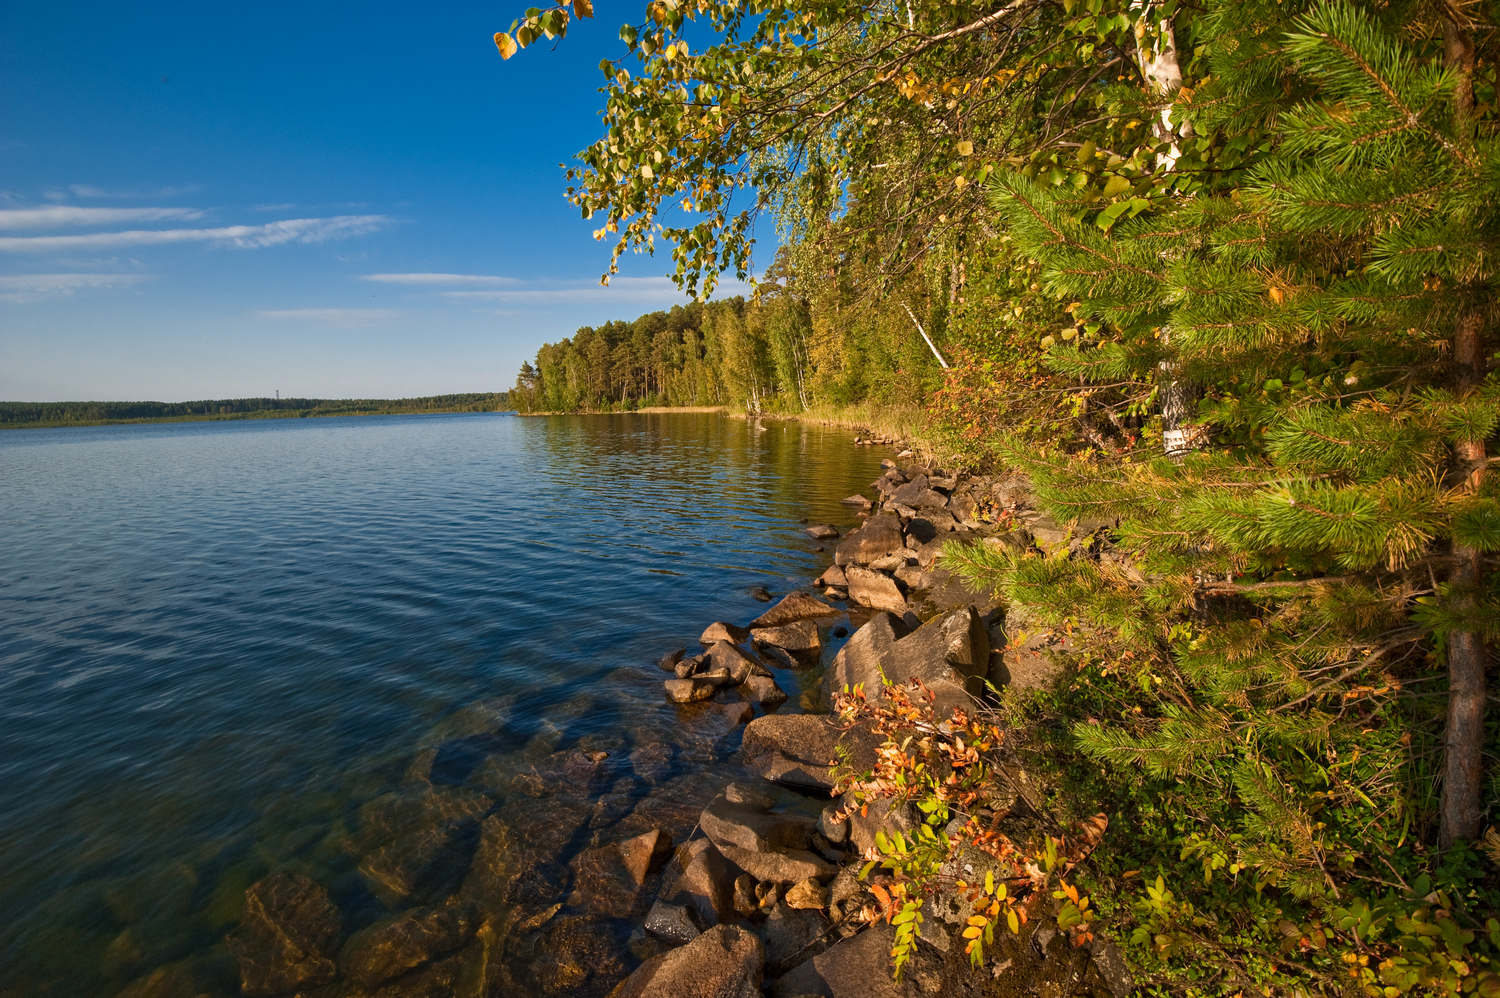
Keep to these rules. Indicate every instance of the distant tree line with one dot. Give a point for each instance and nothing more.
(14, 414)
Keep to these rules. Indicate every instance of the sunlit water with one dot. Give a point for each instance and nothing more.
(218, 640)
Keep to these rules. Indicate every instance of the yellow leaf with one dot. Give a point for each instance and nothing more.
(973, 932)
(966, 148)
(506, 44)
(978, 920)
(583, 8)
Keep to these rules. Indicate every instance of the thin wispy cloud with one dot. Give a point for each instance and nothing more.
(429, 280)
(330, 316)
(636, 290)
(291, 230)
(92, 192)
(23, 288)
(74, 216)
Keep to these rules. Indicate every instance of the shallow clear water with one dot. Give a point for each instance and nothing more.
(219, 640)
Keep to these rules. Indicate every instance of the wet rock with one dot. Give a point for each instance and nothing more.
(608, 879)
(822, 531)
(834, 576)
(720, 631)
(746, 903)
(748, 795)
(672, 921)
(692, 690)
(860, 661)
(857, 967)
(763, 690)
(643, 853)
(799, 749)
(399, 945)
(857, 501)
(652, 762)
(420, 865)
(578, 955)
(668, 662)
(724, 962)
(288, 936)
(761, 593)
(832, 824)
(792, 608)
(494, 864)
(737, 713)
(799, 639)
(790, 934)
(393, 815)
(874, 589)
(729, 825)
(878, 537)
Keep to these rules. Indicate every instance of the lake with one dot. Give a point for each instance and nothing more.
(230, 648)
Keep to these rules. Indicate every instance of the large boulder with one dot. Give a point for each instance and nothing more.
(857, 967)
(792, 608)
(700, 880)
(724, 962)
(763, 690)
(949, 653)
(720, 631)
(394, 946)
(800, 749)
(864, 655)
(288, 936)
(780, 866)
(879, 537)
(723, 655)
(873, 589)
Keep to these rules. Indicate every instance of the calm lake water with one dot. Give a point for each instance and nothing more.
(220, 641)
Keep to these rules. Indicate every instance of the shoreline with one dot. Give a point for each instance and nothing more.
(745, 885)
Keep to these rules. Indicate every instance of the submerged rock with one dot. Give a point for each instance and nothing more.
(398, 945)
(288, 937)
(822, 531)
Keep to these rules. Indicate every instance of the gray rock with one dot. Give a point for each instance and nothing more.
(880, 536)
(691, 690)
(822, 531)
(800, 749)
(763, 690)
(792, 608)
(738, 665)
(857, 967)
(749, 795)
(874, 589)
(857, 501)
(720, 631)
(672, 921)
(834, 576)
(956, 642)
(288, 936)
(394, 946)
(668, 662)
(886, 815)
(799, 639)
(860, 661)
(421, 865)
(729, 825)
(700, 878)
(789, 934)
(780, 866)
(724, 962)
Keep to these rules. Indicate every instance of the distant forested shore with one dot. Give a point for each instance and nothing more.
(17, 415)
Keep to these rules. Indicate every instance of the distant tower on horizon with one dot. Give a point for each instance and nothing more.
(278, 394)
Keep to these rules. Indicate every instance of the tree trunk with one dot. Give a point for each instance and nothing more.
(1156, 54)
(1462, 814)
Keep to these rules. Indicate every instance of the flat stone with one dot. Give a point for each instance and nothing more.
(799, 749)
(398, 945)
(857, 501)
(792, 608)
(724, 962)
(781, 866)
(879, 536)
(874, 589)
(799, 639)
(720, 631)
(730, 825)
(288, 935)
(822, 531)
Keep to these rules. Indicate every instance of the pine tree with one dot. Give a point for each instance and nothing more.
(1288, 596)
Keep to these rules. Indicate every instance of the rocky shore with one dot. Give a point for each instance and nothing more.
(618, 867)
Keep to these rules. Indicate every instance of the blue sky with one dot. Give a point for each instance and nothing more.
(325, 199)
